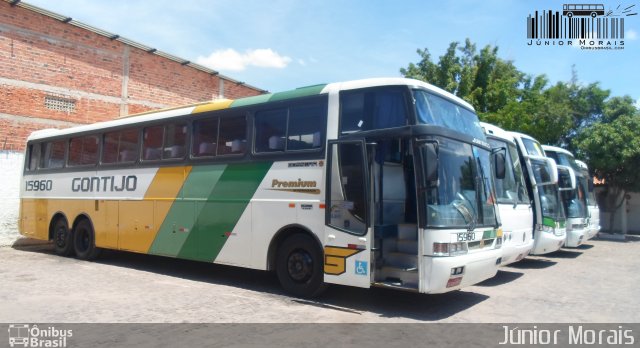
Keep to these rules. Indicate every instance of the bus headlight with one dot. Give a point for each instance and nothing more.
(545, 228)
(449, 249)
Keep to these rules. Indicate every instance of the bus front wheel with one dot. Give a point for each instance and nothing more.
(299, 266)
(62, 238)
(84, 241)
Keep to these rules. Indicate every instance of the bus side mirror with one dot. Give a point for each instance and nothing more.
(566, 178)
(429, 154)
(545, 171)
(499, 165)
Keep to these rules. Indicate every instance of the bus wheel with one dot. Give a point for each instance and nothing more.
(62, 238)
(299, 266)
(84, 242)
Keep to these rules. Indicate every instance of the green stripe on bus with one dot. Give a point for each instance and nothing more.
(188, 204)
(221, 212)
(297, 93)
(263, 98)
(548, 222)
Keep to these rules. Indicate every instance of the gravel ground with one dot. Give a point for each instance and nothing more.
(597, 282)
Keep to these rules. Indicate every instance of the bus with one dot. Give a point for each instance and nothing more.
(574, 199)
(592, 204)
(592, 10)
(514, 203)
(377, 182)
(541, 177)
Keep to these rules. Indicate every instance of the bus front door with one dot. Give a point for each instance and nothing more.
(348, 219)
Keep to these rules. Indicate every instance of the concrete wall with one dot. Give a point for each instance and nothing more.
(629, 211)
(41, 57)
(10, 171)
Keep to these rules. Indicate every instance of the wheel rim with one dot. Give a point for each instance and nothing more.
(61, 236)
(300, 266)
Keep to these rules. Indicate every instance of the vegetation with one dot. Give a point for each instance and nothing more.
(602, 130)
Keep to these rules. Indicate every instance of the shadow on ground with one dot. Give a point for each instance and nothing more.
(502, 277)
(532, 263)
(565, 254)
(383, 302)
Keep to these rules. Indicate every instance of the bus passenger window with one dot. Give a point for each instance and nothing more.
(34, 156)
(270, 130)
(53, 156)
(120, 146)
(205, 135)
(305, 127)
(83, 150)
(152, 143)
(233, 135)
(372, 109)
(175, 141)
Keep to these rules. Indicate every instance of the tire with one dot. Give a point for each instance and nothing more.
(299, 266)
(62, 238)
(84, 241)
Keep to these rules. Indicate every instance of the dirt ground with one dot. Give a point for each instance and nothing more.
(597, 282)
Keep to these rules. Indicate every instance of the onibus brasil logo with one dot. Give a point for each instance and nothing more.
(588, 26)
(25, 335)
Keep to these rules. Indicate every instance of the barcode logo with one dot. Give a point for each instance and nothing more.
(590, 26)
(554, 25)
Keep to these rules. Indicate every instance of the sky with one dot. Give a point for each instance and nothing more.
(284, 44)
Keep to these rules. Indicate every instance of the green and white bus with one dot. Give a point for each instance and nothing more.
(592, 204)
(541, 176)
(574, 199)
(377, 182)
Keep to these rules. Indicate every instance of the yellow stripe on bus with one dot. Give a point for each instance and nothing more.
(141, 220)
(216, 105)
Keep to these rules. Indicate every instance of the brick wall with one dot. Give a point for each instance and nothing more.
(42, 57)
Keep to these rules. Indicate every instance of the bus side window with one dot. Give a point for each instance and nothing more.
(53, 156)
(372, 109)
(83, 150)
(34, 157)
(205, 137)
(305, 127)
(152, 143)
(271, 127)
(120, 146)
(233, 135)
(175, 141)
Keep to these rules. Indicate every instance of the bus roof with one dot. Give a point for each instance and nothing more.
(522, 135)
(582, 165)
(556, 149)
(263, 98)
(497, 132)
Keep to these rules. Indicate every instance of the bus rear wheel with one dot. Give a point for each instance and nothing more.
(62, 238)
(84, 241)
(299, 266)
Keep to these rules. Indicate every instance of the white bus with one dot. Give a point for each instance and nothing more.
(377, 182)
(574, 199)
(515, 206)
(592, 204)
(541, 176)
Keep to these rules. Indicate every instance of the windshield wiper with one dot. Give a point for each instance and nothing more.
(469, 215)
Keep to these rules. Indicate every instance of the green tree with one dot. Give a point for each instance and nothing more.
(612, 150)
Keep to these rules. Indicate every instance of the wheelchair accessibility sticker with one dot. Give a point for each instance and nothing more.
(361, 267)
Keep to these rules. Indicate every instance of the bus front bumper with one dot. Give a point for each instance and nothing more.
(438, 272)
(575, 238)
(512, 252)
(547, 242)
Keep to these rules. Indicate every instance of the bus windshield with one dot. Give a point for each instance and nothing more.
(565, 160)
(463, 196)
(575, 201)
(550, 202)
(533, 147)
(435, 110)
